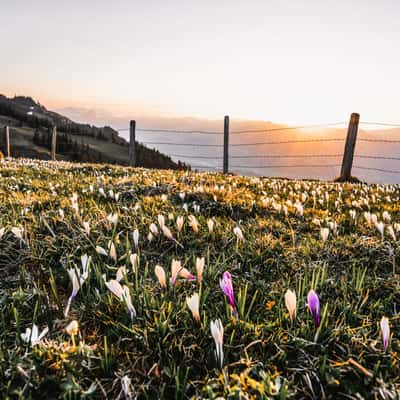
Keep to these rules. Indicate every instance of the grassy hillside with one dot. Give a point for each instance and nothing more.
(145, 343)
(30, 121)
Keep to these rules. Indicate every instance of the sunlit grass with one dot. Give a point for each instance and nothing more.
(142, 334)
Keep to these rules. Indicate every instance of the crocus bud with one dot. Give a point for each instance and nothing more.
(385, 330)
(290, 301)
(313, 306)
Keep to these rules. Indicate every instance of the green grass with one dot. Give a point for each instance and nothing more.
(164, 352)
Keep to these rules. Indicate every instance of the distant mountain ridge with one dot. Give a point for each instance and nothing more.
(30, 121)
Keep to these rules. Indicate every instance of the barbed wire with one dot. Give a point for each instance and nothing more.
(379, 123)
(377, 157)
(286, 166)
(233, 132)
(390, 171)
(182, 144)
(287, 128)
(379, 140)
(289, 141)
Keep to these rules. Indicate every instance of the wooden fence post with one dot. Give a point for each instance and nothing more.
(349, 147)
(226, 145)
(7, 137)
(54, 143)
(132, 144)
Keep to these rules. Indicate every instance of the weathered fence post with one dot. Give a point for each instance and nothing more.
(349, 147)
(132, 144)
(54, 143)
(226, 145)
(7, 137)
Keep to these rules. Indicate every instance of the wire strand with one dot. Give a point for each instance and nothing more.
(286, 128)
(286, 166)
(289, 141)
(183, 144)
(379, 123)
(390, 171)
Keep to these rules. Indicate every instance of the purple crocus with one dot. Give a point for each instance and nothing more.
(313, 306)
(226, 286)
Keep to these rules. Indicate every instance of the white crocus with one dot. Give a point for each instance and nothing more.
(290, 302)
(324, 234)
(86, 227)
(217, 332)
(18, 232)
(32, 336)
(210, 225)
(179, 223)
(136, 238)
(193, 304)
(239, 234)
(100, 250)
(112, 218)
(121, 273)
(154, 229)
(199, 268)
(123, 294)
(160, 274)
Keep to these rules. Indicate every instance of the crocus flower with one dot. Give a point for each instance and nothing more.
(193, 223)
(193, 304)
(32, 336)
(210, 224)
(186, 274)
(324, 234)
(123, 294)
(313, 306)
(290, 301)
(154, 229)
(160, 274)
(175, 268)
(86, 227)
(112, 218)
(217, 332)
(239, 234)
(72, 328)
(101, 250)
(227, 287)
(136, 238)
(134, 260)
(78, 278)
(380, 227)
(199, 268)
(121, 273)
(385, 330)
(113, 252)
(17, 232)
(179, 223)
(161, 220)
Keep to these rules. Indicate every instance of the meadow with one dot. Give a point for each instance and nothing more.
(122, 283)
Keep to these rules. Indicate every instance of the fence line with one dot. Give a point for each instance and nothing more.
(348, 155)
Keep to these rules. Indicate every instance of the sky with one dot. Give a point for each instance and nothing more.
(293, 62)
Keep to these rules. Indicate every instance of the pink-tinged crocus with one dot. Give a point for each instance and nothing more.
(186, 274)
(123, 294)
(199, 269)
(175, 268)
(313, 306)
(239, 234)
(193, 304)
(290, 302)
(226, 286)
(385, 330)
(217, 332)
(160, 274)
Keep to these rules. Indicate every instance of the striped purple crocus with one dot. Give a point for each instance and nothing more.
(227, 287)
(313, 306)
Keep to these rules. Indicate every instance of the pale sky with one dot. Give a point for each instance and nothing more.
(293, 62)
